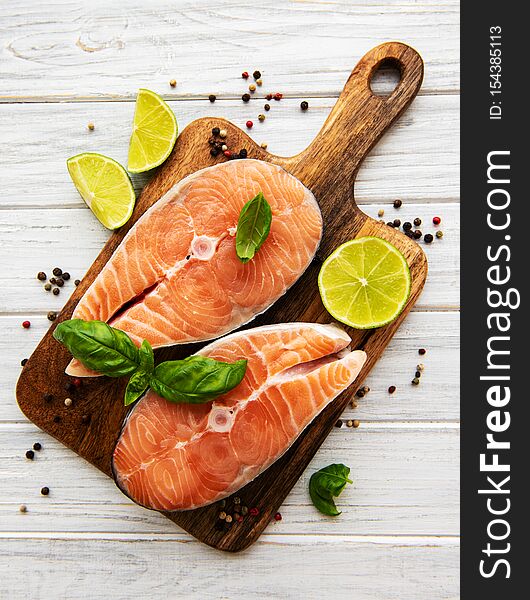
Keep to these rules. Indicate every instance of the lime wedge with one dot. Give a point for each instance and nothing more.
(154, 132)
(105, 186)
(365, 283)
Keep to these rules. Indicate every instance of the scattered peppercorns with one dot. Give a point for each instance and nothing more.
(261, 117)
(244, 74)
(56, 291)
(278, 516)
(215, 151)
(45, 491)
(245, 97)
(68, 401)
(30, 455)
(417, 234)
(264, 145)
(360, 393)
(91, 126)
(77, 282)
(428, 238)
(172, 82)
(304, 105)
(23, 508)
(417, 374)
(256, 75)
(56, 419)
(436, 220)
(222, 515)
(338, 423)
(396, 223)
(416, 381)
(52, 315)
(85, 419)
(391, 389)
(390, 224)
(267, 107)
(417, 221)
(243, 153)
(356, 423)
(398, 203)
(23, 362)
(380, 212)
(244, 510)
(41, 276)
(277, 96)
(227, 153)
(223, 133)
(407, 226)
(249, 124)
(37, 446)
(47, 287)
(422, 351)
(224, 147)
(252, 87)
(228, 518)
(349, 423)
(212, 98)
(237, 500)
(254, 511)
(69, 386)
(420, 367)
(57, 272)
(47, 397)
(259, 82)
(216, 131)
(60, 281)
(26, 324)
(439, 234)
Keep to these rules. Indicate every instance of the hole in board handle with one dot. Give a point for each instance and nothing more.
(385, 77)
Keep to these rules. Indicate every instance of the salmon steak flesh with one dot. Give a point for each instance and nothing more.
(176, 278)
(177, 456)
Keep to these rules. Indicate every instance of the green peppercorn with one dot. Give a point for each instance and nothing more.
(244, 510)
(439, 234)
(261, 117)
(416, 381)
(47, 287)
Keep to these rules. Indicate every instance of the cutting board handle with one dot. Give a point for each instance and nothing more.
(358, 119)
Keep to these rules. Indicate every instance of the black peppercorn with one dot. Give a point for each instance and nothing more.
(407, 226)
(417, 234)
(245, 97)
(56, 291)
(57, 419)
(428, 238)
(37, 446)
(85, 419)
(360, 393)
(417, 221)
(304, 105)
(57, 272)
(267, 106)
(69, 387)
(215, 151)
(23, 361)
(60, 281)
(41, 276)
(409, 234)
(397, 203)
(422, 351)
(256, 75)
(212, 98)
(52, 315)
(66, 276)
(418, 374)
(30, 454)
(390, 224)
(397, 223)
(243, 153)
(77, 282)
(47, 397)
(338, 423)
(391, 389)
(216, 131)
(45, 491)
(53, 281)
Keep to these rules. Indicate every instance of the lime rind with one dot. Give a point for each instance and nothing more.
(105, 187)
(154, 134)
(365, 283)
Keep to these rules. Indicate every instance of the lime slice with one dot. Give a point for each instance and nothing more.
(365, 283)
(105, 186)
(154, 132)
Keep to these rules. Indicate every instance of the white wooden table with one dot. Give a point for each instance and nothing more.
(65, 63)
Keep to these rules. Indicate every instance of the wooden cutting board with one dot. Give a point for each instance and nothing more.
(327, 167)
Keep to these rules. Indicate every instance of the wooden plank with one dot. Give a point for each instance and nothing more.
(71, 48)
(417, 160)
(72, 238)
(288, 567)
(328, 167)
(406, 481)
(436, 399)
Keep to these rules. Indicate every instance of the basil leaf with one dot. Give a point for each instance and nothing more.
(253, 227)
(99, 347)
(147, 357)
(196, 379)
(138, 384)
(327, 484)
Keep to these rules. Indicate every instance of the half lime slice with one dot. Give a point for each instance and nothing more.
(105, 187)
(365, 283)
(154, 132)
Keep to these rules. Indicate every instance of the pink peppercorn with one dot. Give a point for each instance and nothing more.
(278, 517)
(240, 519)
(227, 153)
(76, 381)
(26, 324)
(250, 124)
(278, 96)
(253, 512)
(269, 96)
(244, 75)
(436, 220)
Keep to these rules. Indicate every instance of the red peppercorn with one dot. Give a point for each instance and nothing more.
(77, 382)
(244, 75)
(391, 389)
(249, 124)
(269, 96)
(253, 512)
(278, 96)
(436, 220)
(240, 519)
(278, 517)
(26, 324)
(227, 153)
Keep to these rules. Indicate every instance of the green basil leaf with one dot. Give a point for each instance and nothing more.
(327, 484)
(99, 347)
(196, 379)
(147, 357)
(253, 227)
(138, 384)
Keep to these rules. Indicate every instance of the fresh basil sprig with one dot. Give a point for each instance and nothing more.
(327, 484)
(111, 352)
(253, 227)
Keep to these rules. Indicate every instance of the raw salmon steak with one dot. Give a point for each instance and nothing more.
(176, 278)
(181, 456)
